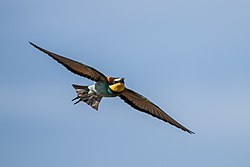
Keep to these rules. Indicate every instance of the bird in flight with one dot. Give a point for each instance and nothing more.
(108, 87)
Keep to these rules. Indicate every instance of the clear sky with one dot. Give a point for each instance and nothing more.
(192, 58)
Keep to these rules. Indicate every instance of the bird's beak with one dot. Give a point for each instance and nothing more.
(122, 80)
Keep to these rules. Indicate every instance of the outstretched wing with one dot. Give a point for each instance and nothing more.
(74, 66)
(141, 103)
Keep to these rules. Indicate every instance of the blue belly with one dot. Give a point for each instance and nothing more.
(102, 89)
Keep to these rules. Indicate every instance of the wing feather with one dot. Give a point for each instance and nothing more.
(141, 103)
(74, 66)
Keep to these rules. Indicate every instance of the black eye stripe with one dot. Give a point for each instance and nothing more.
(118, 81)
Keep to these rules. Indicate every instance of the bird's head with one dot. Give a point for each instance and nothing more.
(116, 84)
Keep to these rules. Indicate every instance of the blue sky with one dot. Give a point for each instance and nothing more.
(192, 58)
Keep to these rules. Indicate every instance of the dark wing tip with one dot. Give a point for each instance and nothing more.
(190, 132)
(33, 44)
(36, 46)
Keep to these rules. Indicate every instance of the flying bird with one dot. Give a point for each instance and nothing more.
(108, 87)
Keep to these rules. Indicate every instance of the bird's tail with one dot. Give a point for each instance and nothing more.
(83, 95)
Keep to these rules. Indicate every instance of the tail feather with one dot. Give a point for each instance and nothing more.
(77, 97)
(77, 101)
(79, 86)
(83, 95)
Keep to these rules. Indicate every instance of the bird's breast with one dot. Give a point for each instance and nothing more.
(103, 89)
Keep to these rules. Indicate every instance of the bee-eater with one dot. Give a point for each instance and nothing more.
(108, 87)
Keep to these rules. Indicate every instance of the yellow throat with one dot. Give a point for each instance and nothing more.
(118, 87)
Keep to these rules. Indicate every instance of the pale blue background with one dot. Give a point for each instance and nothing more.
(192, 58)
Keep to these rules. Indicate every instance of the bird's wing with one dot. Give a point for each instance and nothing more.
(141, 103)
(74, 66)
